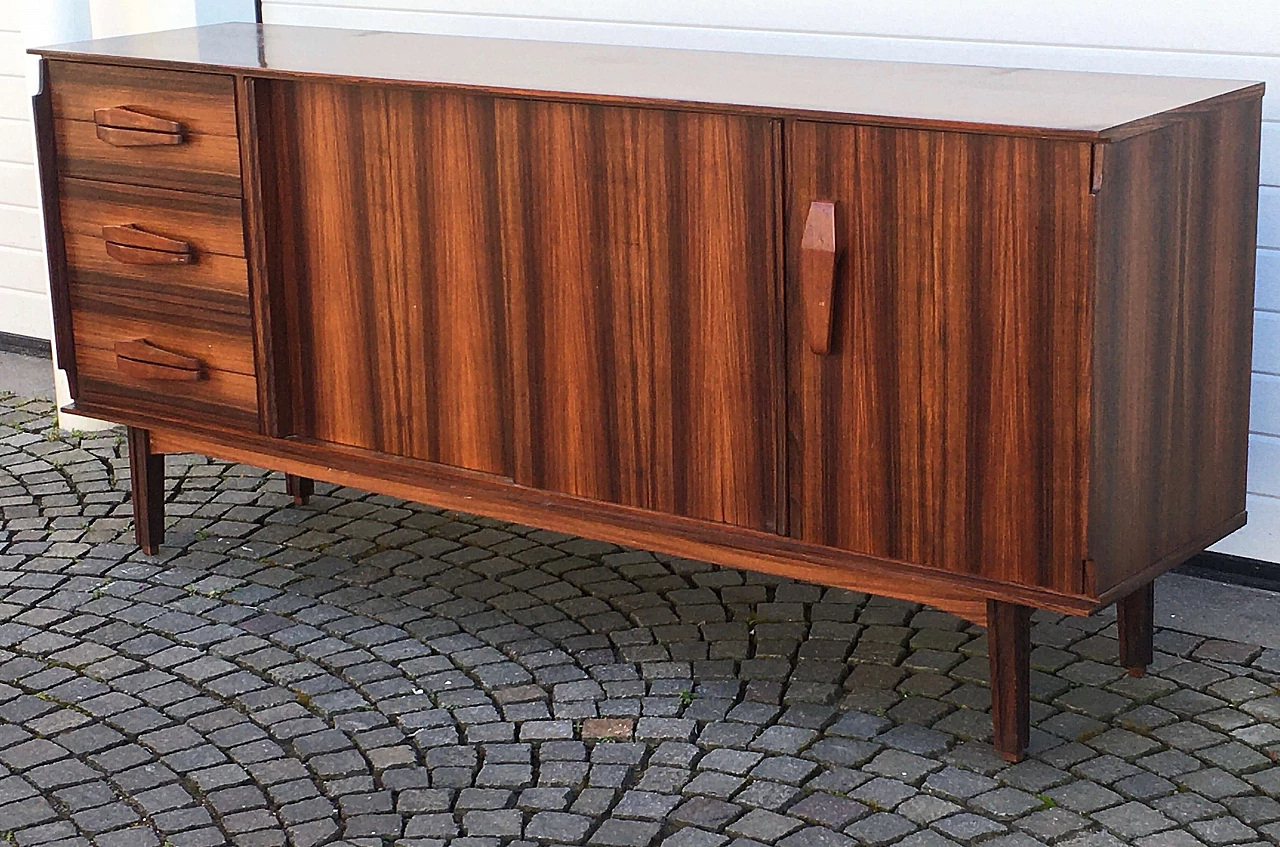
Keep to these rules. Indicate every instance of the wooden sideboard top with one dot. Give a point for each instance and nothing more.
(1062, 104)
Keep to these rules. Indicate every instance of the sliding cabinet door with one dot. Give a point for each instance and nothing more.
(641, 258)
(385, 225)
(937, 322)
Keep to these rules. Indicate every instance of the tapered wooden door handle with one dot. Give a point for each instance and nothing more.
(133, 245)
(139, 358)
(818, 274)
(125, 126)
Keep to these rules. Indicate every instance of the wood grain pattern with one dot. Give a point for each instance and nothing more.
(225, 398)
(209, 224)
(385, 205)
(54, 246)
(146, 485)
(730, 546)
(946, 426)
(639, 251)
(203, 156)
(1172, 341)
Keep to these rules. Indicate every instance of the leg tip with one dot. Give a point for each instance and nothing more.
(1012, 758)
(1137, 672)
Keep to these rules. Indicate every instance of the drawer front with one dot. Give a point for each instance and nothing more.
(146, 127)
(93, 213)
(160, 302)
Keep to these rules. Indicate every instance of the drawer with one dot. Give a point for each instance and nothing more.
(179, 357)
(96, 215)
(146, 127)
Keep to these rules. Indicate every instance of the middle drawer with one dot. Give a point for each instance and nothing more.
(160, 300)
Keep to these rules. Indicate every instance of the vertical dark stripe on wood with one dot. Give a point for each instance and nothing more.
(1172, 338)
(942, 427)
(647, 283)
(387, 213)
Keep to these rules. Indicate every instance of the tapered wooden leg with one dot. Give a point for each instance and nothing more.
(1009, 651)
(1135, 616)
(299, 487)
(146, 483)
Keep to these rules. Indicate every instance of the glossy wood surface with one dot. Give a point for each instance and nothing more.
(1001, 99)
(1172, 339)
(384, 208)
(454, 488)
(974, 338)
(205, 157)
(947, 424)
(639, 248)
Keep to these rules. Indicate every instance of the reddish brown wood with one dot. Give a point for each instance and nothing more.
(722, 544)
(124, 117)
(300, 488)
(946, 426)
(54, 244)
(1135, 617)
(383, 212)
(1172, 340)
(131, 235)
(638, 248)
(985, 347)
(146, 484)
(271, 344)
(1009, 658)
(177, 252)
(818, 273)
(202, 156)
(139, 358)
(118, 137)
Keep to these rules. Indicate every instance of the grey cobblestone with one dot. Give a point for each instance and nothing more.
(365, 671)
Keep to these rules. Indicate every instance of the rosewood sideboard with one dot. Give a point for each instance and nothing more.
(978, 338)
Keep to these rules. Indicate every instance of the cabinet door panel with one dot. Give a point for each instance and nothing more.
(385, 208)
(946, 425)
(641, 260)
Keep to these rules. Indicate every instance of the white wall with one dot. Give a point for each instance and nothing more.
(24, 284)
(24, 307)
(1233, 39)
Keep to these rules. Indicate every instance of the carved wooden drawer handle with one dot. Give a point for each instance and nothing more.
(125, 126)
(141, 359)
(133, 245)
(818, 274)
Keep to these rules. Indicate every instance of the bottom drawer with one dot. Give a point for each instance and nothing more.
(140, 361)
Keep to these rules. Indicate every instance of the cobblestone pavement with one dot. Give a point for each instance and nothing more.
(366, 671)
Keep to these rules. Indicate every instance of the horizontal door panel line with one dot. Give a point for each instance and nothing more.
(487, 494)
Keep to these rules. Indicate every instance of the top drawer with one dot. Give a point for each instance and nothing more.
(167, 129)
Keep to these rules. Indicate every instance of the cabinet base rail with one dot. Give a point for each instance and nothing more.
(1008, 623)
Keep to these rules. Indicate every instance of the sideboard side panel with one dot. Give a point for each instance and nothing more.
(943, 427)
(640, 255)
(1177, 239)
(383, 213)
